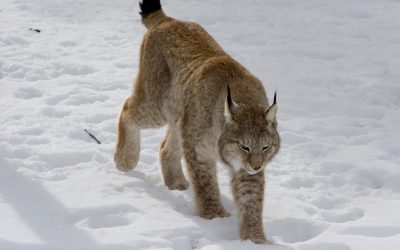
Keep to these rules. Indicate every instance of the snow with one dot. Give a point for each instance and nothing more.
(334, 186)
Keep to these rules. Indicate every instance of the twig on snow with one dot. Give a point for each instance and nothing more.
(93, 137)
(37, 30)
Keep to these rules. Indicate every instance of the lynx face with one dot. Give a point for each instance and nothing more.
(250, 138)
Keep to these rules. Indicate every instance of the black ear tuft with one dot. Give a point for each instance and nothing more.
(229, 98)
(230, 105)
(274, 98)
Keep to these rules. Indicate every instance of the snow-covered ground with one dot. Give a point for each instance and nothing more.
(334, 186)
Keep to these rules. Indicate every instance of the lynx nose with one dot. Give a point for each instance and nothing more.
(256, 167)
(256, 161)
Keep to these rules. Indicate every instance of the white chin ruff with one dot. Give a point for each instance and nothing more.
(238, 165)
(251, 171)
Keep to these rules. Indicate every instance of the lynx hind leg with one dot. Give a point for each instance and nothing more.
(144, 108)
(170, 159)
(127, 152)
(137, 113)
(202, 169)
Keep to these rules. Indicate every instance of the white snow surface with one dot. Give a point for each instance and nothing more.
(334, 186)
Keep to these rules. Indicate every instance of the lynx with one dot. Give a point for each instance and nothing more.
(215, 110)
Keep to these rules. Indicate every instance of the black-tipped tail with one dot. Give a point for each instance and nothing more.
(149, 6)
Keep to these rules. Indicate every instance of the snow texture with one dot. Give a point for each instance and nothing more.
(334, 186)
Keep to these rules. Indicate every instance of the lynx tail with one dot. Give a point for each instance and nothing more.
(151, 13)
(149, 6)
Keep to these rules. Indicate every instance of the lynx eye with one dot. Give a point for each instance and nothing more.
(265, 148)
(244, 148)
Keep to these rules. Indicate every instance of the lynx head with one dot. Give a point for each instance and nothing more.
(250, 138)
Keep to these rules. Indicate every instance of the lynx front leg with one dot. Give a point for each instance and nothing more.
(170, 158)
(202, 170)
(248, 191)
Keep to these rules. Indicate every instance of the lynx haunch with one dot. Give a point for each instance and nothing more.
(215, 109)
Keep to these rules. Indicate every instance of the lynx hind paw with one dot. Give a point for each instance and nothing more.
(125, 162)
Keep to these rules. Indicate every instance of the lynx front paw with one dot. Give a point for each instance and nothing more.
(255, 235)
(178, 185)
(214, 212)
(125, 162)
(259, 240)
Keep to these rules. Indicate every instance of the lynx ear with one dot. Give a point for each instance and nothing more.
(230, 106)
(271, 111)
